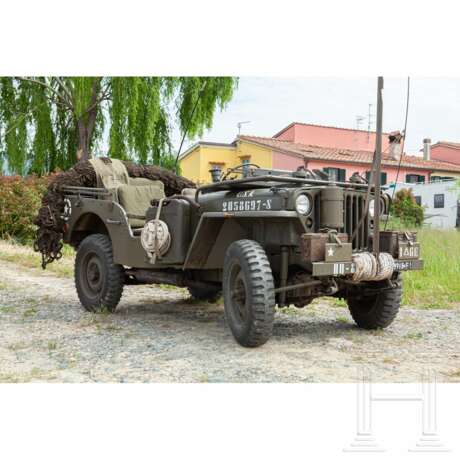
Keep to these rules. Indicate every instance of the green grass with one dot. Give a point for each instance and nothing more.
(437, 285)
(11, 251)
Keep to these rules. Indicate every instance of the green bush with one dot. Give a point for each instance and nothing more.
(20, 199)
(406, 209)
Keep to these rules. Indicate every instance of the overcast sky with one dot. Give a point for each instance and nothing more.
(272, 103)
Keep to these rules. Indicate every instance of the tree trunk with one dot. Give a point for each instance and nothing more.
(83, 153)
(86, 125)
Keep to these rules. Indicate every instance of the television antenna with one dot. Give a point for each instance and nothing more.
(359, 120)
(369, 121)
(240, 124)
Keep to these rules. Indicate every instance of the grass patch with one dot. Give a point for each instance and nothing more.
(342, 319)
(437, 285)
(11, 251)
(30, 312)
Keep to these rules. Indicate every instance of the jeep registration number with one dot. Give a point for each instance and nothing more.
(247, 205)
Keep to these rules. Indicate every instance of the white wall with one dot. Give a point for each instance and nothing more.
(437, 217)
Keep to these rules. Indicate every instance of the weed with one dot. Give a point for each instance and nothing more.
(342, 319)
(414, 335)
(30, 312)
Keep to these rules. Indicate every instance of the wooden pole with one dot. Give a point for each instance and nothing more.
(377, 170)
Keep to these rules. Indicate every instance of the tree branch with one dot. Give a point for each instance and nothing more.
(50, 88)
(62, 85)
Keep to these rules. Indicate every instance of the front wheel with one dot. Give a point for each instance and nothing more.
(377, 310)
(99, 281)
(248, 289)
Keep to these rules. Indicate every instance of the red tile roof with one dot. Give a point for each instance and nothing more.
(315, 152)
(452, 145)
(323, 126)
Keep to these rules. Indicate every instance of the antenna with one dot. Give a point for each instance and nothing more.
(369, 122)
(359, 120)
(240, 124)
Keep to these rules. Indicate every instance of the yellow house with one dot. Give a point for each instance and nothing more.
(198, 160)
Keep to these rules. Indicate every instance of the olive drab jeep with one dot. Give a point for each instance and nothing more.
(261, 238)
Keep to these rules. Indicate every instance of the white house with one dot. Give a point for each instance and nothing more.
(440, 200)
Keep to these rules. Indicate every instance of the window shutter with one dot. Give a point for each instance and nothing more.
(342, 173)
(421, 179)
(383, 178)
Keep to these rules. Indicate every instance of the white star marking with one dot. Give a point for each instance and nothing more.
(330, 252)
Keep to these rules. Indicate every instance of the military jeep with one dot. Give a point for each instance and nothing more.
(262, 239)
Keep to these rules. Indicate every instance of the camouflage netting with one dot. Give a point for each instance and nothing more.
(50, 224)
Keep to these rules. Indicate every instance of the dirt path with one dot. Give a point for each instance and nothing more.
(160, 335)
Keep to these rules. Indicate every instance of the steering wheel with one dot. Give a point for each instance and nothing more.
(236, 168)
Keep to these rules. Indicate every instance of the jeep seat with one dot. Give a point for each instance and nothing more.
(135, 199)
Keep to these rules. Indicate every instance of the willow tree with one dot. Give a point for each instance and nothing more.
(51, 122)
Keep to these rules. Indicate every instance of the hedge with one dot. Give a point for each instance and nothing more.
(20, 199)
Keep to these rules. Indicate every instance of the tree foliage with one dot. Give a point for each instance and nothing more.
(51, 122)
(406, 208)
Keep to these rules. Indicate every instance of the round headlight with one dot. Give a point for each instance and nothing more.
(372, 208)
(303, 204)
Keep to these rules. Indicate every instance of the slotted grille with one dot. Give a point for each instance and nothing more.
(353, 211)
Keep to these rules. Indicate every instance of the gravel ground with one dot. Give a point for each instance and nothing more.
(161, 335)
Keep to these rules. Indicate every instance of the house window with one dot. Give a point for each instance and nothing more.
(245, 162)
(335, 174)
(415, 179)
(439, 200)
(418, 200)
(441, 178)
(383, 177)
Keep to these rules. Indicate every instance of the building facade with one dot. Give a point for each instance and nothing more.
(446, 151)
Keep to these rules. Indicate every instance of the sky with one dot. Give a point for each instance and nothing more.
(270, 104)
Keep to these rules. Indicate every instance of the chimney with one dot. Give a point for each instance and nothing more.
(427, 149)
(395, 139)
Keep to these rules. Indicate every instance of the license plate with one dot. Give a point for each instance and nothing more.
(409, 251)
(402, 265)
(247, 205)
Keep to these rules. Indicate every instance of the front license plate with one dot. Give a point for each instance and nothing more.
(403, 265)
(409, 251)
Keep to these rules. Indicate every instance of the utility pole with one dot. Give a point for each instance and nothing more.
(377, 168)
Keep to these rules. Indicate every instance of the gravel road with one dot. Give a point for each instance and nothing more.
(161, 335)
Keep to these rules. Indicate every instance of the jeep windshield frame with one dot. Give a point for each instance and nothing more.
(271, 181)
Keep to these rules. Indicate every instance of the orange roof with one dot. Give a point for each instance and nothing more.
(315, 152)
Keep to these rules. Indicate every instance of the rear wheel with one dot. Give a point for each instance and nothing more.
(376, 310)
(99, 281)
(248, 290)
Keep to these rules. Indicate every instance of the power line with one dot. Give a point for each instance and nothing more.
(402, 148)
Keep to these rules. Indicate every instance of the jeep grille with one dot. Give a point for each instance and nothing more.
(353, 211)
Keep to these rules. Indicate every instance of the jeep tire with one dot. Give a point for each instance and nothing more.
(377, 310)
(99, 281)
(248, 289)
